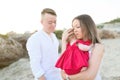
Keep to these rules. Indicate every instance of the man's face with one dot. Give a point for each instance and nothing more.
(49, 23)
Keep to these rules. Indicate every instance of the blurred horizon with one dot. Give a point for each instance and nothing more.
(21, 16)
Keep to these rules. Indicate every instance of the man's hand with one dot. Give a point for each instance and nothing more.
(42, 78)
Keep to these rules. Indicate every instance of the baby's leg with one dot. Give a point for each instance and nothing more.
(84, 68)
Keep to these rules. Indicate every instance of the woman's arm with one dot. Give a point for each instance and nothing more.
(94, 64)
(65, 36)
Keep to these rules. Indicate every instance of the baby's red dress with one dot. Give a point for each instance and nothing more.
(73, 59)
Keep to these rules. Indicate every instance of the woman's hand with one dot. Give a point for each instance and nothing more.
(63, 74)
(66, 34)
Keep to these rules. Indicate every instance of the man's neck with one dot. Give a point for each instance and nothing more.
(48, 33)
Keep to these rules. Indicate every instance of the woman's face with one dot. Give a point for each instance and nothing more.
(77, 29)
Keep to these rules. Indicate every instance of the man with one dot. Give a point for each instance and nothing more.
(42, 48)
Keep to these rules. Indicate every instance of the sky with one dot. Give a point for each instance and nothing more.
(24, 15)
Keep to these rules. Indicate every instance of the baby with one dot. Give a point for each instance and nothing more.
(75, 58)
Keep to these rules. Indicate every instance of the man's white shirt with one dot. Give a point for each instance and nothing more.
(43, 53)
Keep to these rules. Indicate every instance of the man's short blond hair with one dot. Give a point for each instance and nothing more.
(49, 11)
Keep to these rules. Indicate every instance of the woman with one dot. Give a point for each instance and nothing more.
(85, 29)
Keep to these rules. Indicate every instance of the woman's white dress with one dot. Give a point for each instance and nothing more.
(98, 77)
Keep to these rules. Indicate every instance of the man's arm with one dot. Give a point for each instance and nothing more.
(34, 52)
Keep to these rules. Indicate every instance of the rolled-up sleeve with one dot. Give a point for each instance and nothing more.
(34, 52)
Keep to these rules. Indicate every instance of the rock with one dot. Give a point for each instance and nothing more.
(10, 51)
(19, 70)
(107, 34)
(22, 39)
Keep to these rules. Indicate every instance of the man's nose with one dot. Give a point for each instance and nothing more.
(54, 24)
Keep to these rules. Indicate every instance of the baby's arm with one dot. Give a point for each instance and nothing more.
(84, 68)
(84, 47)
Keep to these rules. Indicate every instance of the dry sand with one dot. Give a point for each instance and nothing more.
(110, 68)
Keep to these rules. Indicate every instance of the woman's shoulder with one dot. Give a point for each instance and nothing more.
(98, 48)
